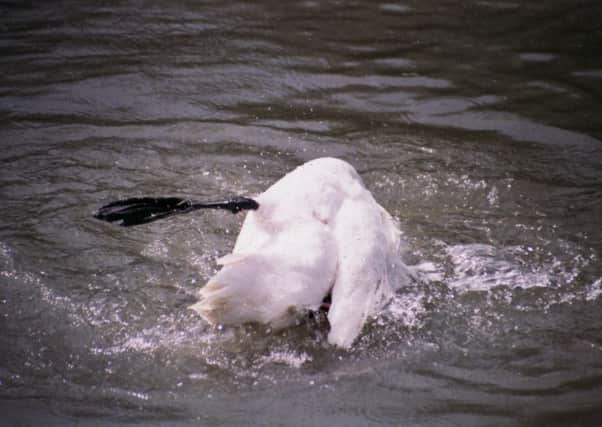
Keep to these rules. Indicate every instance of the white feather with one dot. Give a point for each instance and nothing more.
(317, 230)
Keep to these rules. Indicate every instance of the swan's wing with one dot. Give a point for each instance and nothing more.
(367, 243)
(290, 273)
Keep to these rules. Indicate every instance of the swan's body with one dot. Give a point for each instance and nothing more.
(318, 230)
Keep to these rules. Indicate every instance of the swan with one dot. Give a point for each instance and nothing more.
(318, 231)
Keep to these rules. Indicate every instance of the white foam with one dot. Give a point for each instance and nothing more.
(493, 197)
(6, 259)
(156, 250)
(594, 290)
(289, 358)
(480, 267)
(408, 309)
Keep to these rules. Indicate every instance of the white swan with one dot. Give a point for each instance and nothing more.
(318, 230)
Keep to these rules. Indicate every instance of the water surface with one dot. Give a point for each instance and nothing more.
(475, 124)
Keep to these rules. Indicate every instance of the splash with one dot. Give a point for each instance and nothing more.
(594, 290)
(289, 358)
(481, 267)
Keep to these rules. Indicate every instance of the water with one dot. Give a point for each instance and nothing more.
(476, 124)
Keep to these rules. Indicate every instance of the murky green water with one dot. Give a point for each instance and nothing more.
(477, 124)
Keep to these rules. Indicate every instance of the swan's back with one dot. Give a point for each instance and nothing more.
(312, 192)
